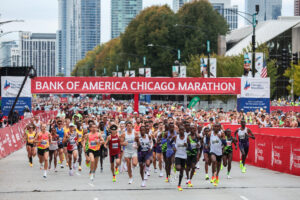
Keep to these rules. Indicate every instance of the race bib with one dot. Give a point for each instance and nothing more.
(44, 142)
(93, 143)
(115, 145)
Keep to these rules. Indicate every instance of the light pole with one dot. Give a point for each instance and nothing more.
(9, 21)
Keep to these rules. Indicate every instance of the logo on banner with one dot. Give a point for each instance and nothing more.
(6, 85)
(276, 155)
(295, 158)
(247, 85)
(259, 152)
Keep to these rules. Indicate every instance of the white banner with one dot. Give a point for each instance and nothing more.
(213, 67)
(255, 87)
(115, 74)
(259, 63)
(120, 74)
(148, 72)
(175, 71)
(132, 73)
(182, 71)
(10, 86)
(142, 72)
(126, 73)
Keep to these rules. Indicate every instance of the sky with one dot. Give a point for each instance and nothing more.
(41, 16)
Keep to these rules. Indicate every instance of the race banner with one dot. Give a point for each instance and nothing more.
(182, 72)
(175, 71)
(213, 67)
(259, 64)
(148, 72)
(135, 85)
(141, 72)
(10, 86)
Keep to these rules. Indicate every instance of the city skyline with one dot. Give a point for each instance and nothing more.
(45, 17)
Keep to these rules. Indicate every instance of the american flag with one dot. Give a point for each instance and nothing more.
(264, 72)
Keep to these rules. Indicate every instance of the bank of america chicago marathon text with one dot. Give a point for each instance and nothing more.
(134, 86)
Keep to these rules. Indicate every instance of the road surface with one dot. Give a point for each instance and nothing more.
(19, 181)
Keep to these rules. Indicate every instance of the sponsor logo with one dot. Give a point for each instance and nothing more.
(294, 158)
(247, 85)
(259, 152)
(276, 155)
(6, 85)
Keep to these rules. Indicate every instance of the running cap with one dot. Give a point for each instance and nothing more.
(71, 124)
(113, 127)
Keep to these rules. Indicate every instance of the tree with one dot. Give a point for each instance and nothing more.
(293, 74)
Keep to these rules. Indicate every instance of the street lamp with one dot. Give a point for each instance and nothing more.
(254, 23)
(9, 21)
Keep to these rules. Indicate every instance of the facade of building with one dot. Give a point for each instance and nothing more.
(15, 57)
(222, 6)
(268, 9)
(78, 32)
(122, 12)
(296, 7)
(5, 53)
(38, 50)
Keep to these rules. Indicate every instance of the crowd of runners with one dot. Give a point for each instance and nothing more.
(168, 139)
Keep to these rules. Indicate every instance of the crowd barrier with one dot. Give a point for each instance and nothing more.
(285, 108)
(276, 149)
(11, 138)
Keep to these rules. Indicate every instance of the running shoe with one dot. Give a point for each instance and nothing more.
(55, 170)
(179, 188)
(91, 176)
(79, 168)
(161, 174)
(167, 180)
(114, 179)
(190, 183)
(155, 170)
(71, 172)
(130, 181)
(59, 162)
(221, 166)
(195, 172)
(198, 165)
(61, 166)
(88, 164)
(206, 177)
(216, 182)
(30, 164)
(143, 183)
(148, 174)
(45, 174)
(244, 170)
(117, 171)
(75, 166)
(241, 164)
(229, 177)
(145, 176)
(212, 179)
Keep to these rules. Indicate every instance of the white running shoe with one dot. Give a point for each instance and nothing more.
(130, 181)
(161, 174)
(92, 177)
(71, 172)
(145, 176)
(148, 174)
(198, 165)
(75, 166)
(143, 183)
(155, 170)
(55, 170)
(229, 177)
(61, 166)
(45, 174)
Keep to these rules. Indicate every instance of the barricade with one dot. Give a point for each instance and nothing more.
(276, 149)
(11, 138)
(285, 108)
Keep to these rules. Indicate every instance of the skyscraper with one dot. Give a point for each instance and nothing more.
(78, 33)
(268, 9)
(38, 50)
(223, 6)
(5, 52)
(297, 7)
(122, 12)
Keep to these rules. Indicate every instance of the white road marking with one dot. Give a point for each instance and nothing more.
(244, 198)
(91, 184)
(96, 198)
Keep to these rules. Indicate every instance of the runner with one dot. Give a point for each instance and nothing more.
(130, 153)
(71, 140)
(158, 148)
(170, 150)
(114, 150)
(94, 142)
(79, 131)
(30, 146)
(61, 133)
(181, 154)
(53, 148)
(206, 150)
(43, 139)
(154, 136)
(227, 154)
(144, 149)
(243, 134)
(216, 146)
(103, 150)
(193, 142)
(66, 130)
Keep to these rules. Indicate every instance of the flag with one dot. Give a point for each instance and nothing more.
(264, 72)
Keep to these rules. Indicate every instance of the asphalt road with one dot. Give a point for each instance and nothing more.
(19, 181)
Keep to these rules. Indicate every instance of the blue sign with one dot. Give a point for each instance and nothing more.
(145, 98)
(7, 103)
(252, 104)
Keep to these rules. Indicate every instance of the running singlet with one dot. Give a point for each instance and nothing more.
(228, 148)
(114, 145)
(92, 140)
(61, 134)
(30, 137)
(215, 144)
(130, 139)
(206, 142)
(43, 141)
(192, 147)
(242, 134)
(163, 143)
(180, 148)
(145, 143)
(71, 144)
(80, 134)
(54, 143)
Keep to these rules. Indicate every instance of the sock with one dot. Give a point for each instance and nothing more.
(30, 160)
(228, 173)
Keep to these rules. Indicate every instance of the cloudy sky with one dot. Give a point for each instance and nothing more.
(42, 15)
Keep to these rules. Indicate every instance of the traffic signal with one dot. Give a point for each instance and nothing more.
(295, 58)
(284, 59)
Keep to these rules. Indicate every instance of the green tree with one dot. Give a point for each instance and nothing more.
(293, 74)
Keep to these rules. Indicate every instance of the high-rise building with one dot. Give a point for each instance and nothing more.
(268, 9)
(122, 12)
(223, 6)
(297, 7)
(15, 57)
(38, 50)
(5, 53)
(78, 32)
